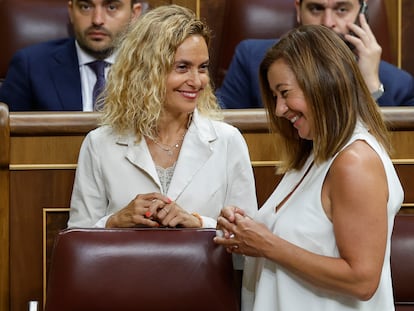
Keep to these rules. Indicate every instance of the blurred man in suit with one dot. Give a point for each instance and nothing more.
(389, 85)
(59, 75)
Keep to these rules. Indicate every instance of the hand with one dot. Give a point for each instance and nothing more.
(368, 51)
(172, 215)
(246, 236)
(139, 212)
(229, 213)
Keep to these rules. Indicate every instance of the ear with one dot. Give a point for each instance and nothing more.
(136, 10)
(70, 8)
(297, 7)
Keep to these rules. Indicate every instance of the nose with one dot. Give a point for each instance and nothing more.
(281, 107)
(98, 16)
(328, 18)
(195, 80)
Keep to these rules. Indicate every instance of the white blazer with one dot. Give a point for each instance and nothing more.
(213, 170)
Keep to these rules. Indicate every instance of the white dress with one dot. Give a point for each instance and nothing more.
(303, 222)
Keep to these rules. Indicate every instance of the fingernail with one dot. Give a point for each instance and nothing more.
(169, 200)
(148, 214)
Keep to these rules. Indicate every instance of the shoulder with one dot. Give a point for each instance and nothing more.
(101, 136)
(388, 71)
(352, 162)
(256, 45)
(46, 46)
(212, 129)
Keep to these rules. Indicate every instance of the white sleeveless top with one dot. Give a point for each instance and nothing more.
(303, 222)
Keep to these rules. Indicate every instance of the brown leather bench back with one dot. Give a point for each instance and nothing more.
(140, 269)
(26, 22)
(402, 262)
(267, 19)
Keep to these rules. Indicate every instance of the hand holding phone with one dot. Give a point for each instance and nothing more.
(363, 10)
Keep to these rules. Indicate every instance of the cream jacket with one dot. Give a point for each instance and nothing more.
(213, 170)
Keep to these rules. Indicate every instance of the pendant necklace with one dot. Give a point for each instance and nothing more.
(167, 148)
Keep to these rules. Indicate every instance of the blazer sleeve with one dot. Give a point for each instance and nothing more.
(89, 200)
(236, 90)
(398, 86)
(241, 190)
(15, 90)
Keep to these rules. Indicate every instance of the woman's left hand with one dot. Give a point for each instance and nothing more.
(246, 237)
(172, 215)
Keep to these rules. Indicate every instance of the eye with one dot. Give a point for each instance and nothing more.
(112, 7)
(181, 67)
(84, 6)
(316, 9)
(204, 68)
(284, 93)
(342, 10)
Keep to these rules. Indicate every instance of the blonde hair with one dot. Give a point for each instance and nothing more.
(335, 91)
(136, 88)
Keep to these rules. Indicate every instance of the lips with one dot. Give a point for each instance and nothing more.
(95, 34)
(190, 95)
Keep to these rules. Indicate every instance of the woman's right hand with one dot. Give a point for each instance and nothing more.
(139, 212)
(229, 213)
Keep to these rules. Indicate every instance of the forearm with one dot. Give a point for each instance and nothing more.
(332, 273)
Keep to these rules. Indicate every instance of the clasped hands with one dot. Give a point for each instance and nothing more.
(152, 210)
(241, 234)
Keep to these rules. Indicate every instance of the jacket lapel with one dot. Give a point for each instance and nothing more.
(139, 156)
(65, 73)
(195, 152)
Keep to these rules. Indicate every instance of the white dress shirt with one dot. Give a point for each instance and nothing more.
(88, 77)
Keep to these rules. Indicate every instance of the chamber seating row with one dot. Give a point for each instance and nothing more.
(24, 23)
(38, 156)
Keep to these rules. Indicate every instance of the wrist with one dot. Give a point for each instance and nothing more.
(378, 92)
(199, 219)
(110, 223)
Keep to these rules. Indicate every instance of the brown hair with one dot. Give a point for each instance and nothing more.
(334, 89)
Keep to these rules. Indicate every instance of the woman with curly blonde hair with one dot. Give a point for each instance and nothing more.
(162, 157)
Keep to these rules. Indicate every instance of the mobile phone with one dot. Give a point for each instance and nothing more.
(363, 10)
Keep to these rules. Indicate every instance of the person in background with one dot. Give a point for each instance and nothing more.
(322, 239)
(388, 85)
(162, 157)
(68, 74)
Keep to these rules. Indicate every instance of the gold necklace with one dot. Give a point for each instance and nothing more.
(167, 148)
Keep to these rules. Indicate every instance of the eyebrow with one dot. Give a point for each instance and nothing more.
(186, 62)
(336, 4)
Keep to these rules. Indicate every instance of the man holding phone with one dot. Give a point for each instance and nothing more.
(389, 85)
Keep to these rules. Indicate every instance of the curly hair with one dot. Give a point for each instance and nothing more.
(135, 92)
(335, 91)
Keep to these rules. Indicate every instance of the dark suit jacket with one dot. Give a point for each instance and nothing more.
(240, 88)
(44, 77)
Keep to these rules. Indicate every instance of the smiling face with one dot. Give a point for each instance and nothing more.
(189, 75)
(97, 23)
(290, 102)
(334, 14)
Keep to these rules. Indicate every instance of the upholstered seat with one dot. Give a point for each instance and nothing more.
(26, 22)
(235, 20)
(402, 262)
(140, 269)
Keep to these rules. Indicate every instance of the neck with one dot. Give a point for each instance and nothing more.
(172, 127)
